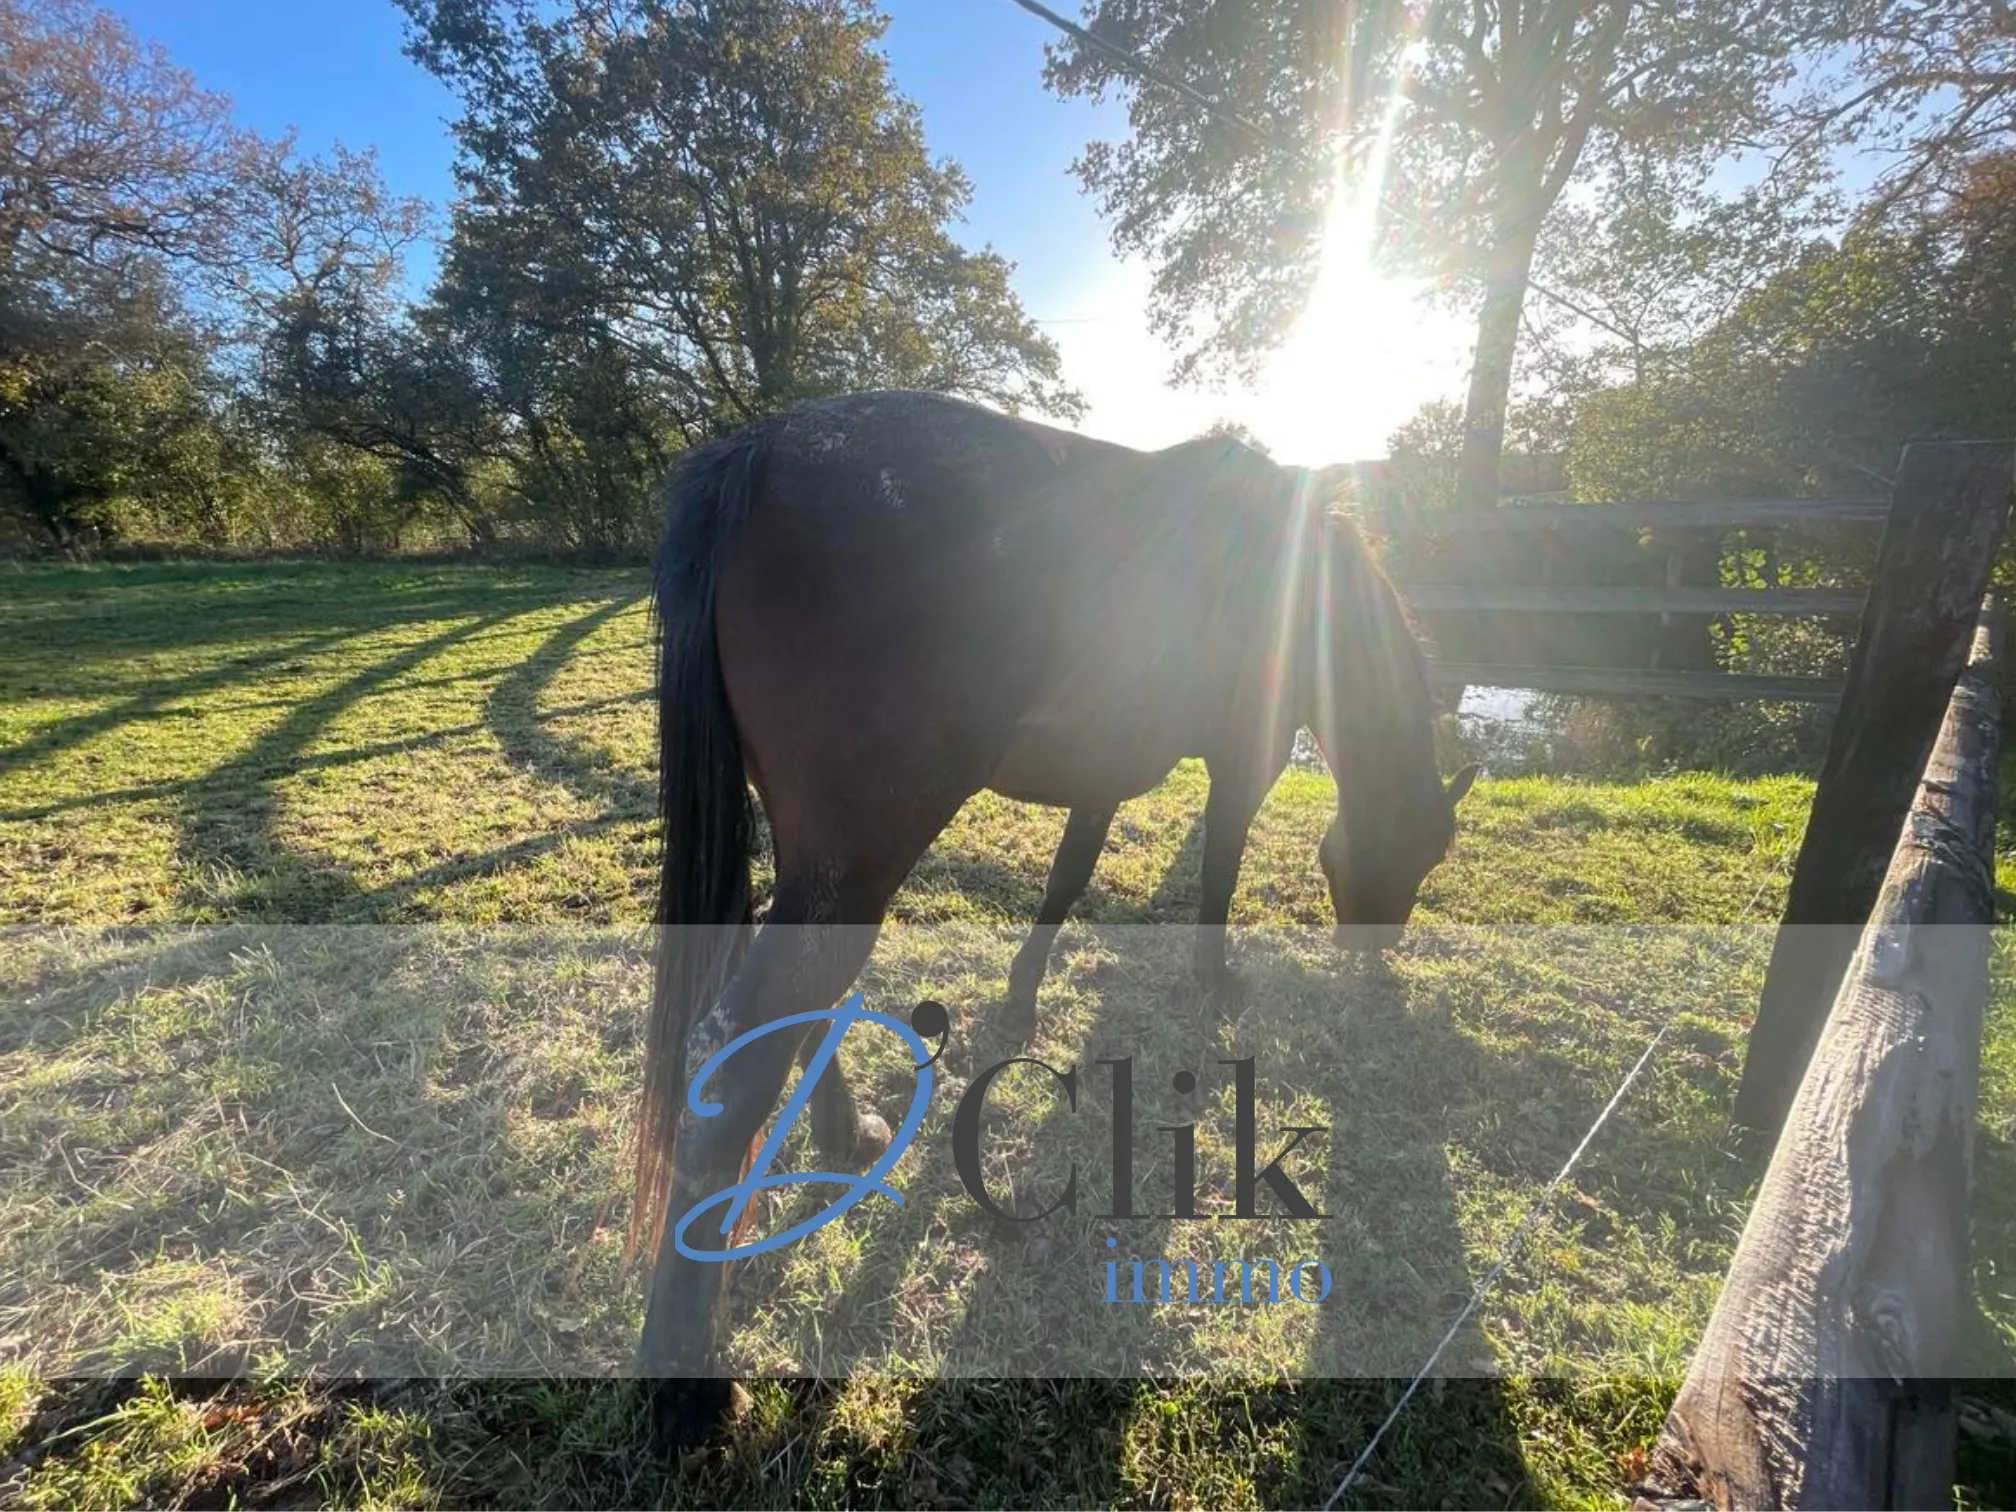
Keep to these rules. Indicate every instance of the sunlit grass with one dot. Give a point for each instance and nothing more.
(392, 745)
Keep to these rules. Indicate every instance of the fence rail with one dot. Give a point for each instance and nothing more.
(1824, 1377)
(1542, 598)
(1644, 514)
(1936, 487)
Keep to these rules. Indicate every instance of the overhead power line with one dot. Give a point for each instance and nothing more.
(1135, 64)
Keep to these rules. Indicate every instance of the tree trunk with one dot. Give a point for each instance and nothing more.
(1509, 269)
(1947, 514)
(475, 521)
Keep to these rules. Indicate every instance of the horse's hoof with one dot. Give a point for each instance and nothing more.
(871, 1139)
(1222, 986)
(1018, 1017)
(688, 1413)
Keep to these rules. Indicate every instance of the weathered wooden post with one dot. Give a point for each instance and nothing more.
(1824, 1376)
(1946, 519)
(1693, 560)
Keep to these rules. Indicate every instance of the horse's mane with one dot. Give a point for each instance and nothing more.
(1370, 623)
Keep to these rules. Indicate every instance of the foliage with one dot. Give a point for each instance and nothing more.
(676, 216)
(392, 390)
(144, 239)
(730, 198)
(1653, 264)
(108, 157)
(1924, 87)
(1464, 122)
(106, 404)
(108, 151)
(1233, 430)
(1819, 375)
(1810, 382)
(1424, 454)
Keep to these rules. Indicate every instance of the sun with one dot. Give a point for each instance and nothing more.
(1366, 346)
(1322, 398)
(1366, 353)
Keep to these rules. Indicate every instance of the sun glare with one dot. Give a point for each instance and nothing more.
(1334, 379)
(1368, 351)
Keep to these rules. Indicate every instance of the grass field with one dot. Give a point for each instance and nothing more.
(374, 1135)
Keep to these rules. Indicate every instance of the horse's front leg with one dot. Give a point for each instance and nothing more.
(1077, 854)
(1236, 795)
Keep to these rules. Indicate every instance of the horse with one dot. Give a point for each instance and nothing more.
(872, 608)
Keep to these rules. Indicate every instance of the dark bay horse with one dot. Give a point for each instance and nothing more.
(874, 607)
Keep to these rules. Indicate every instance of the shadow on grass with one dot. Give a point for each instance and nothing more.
(105, 616)
(512, 713)
(192, 1191)
(998, 1430)
(98, 616)
(1408, 1084)
(151, 701)
(320, 761)
(1394, 1243)
(1412, 1088)
(227, 819)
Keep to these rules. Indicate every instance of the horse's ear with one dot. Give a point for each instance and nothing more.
(1461, 783)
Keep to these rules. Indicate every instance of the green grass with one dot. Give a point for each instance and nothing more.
(373, 1144)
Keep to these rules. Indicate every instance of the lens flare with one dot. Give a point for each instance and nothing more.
(1313, 379)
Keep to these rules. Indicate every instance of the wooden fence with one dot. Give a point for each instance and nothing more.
(1940, 531)
(1824, 1378)
(1677, 531)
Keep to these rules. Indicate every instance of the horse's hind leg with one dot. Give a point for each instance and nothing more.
(840, 1129)
(804, 958)
(1077, 854)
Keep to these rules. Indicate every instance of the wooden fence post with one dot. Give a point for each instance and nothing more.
(1946, 519)
(1824, 1377)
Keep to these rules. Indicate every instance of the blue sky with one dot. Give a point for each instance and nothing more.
(335, 71)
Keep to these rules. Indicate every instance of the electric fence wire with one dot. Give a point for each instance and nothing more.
(1541, 1208)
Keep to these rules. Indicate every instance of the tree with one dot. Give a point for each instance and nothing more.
(340, 356)
(1466, 119)
(396, 389)
(587, 421)
(1655, 265)
(147, 245)
(1815, 379)
(1233, 430)
(730, 194)
(1928, 86)
(107, 150)
(109, 411)
(111, 161)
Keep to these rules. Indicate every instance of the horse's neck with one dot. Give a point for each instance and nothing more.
(1363, 703)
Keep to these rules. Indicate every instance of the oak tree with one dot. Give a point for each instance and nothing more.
(730, 194)
(1466, 120)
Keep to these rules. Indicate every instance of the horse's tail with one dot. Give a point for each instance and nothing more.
(707, 824)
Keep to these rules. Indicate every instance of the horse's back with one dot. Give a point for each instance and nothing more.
(981, 600)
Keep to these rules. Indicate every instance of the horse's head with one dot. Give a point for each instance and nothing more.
(1376, 858)
(1375, 721)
